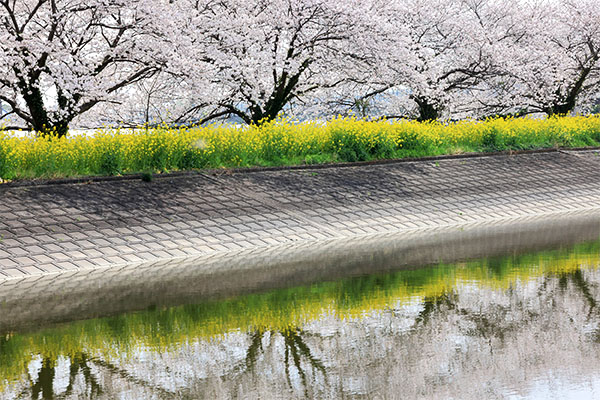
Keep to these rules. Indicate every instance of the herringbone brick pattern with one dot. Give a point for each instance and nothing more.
(52, 228)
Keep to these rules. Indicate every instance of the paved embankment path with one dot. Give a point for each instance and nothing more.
(61, 227)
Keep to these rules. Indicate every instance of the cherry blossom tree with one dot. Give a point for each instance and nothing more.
(160, 99)
(252, 58)
(62, 57)
(555, 64)
(474, 58)
(443, 50)
(192, 61)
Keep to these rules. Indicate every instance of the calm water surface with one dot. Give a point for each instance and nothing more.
(525, 326)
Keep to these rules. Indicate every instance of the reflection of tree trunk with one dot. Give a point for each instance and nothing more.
(488, 327)
(579, 281)
(113, 369)
(44, 381)
(255, 345)
(293, 340)
(433, 303)
(485, 326)
(295, 349)
(79, 362)
(295, 335)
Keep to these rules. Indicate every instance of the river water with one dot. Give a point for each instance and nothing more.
(522, 326)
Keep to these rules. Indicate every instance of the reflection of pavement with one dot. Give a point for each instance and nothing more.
(48, 229)
(86, 293)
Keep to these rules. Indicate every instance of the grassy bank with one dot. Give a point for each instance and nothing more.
(116, 151)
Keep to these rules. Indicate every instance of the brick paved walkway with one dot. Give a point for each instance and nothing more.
(53, 228)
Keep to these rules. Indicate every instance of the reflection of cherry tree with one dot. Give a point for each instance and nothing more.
(43, 383)
(578, 280)
(93, 372)
(296, 350)
(472, 338)
(97, 377)
(496, 320)
(433, 304)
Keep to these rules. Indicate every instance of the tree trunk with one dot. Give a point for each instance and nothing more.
(40, 120)
(567, 103)
(282, 93)
(260, 116)
(559, 109)
(35, 103)
(60, 128)
(427, 111)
